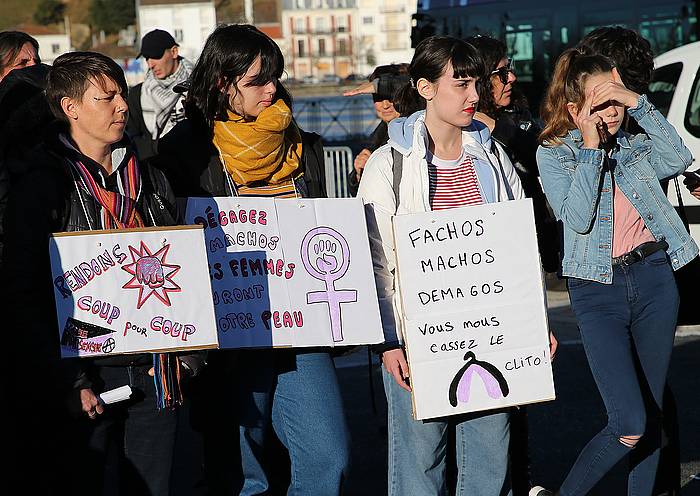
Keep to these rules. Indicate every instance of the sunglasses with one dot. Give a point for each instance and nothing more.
(380, 98)
(504, 72)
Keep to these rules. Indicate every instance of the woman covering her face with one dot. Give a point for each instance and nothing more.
(622, 242)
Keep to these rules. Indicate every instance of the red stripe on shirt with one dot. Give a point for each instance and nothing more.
(454, 187)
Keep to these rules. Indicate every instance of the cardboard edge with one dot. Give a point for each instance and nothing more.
(130, 230)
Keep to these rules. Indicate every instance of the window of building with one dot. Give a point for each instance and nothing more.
(342, 47)
(55, 47)
(320, 24)
(178, 35)
(301, 48)
(342, 23)
(301, 4)
(368, 20)
(299, 25)
(321, 47)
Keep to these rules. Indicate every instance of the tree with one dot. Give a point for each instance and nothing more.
(112, 15)
(49, 12)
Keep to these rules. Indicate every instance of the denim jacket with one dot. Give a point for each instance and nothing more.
(578, 183)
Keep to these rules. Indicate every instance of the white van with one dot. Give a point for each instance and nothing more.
(675, 91)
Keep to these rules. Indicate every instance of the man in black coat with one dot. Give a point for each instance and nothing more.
(154, 107)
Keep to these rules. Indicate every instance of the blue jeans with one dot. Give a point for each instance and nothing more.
(299, 392)
(418, 450)
(627, 329)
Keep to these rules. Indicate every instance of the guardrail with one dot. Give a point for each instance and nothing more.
(338, 162)
(336, 118)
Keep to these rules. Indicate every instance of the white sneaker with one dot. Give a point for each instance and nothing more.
(540, 491)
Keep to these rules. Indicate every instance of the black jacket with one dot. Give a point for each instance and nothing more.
(24, 117)
(191, 163)
(517, 131)
(146, 146)
(43, 201)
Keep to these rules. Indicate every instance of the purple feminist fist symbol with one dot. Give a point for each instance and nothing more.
(326, 268)
(149, 270)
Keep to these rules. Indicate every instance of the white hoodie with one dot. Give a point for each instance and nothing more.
(497, 178)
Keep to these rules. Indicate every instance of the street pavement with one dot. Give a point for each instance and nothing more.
(558, 429)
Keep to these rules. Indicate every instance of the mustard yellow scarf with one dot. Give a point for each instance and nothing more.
(266, 150)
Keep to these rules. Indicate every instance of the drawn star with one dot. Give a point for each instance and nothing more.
(161, 290)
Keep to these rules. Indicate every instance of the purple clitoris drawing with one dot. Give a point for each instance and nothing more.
(323, 265)
(460, 388)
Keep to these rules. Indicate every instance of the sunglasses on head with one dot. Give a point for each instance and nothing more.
(504, 72)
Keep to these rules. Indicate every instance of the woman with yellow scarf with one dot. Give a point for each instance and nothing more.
(240, 140)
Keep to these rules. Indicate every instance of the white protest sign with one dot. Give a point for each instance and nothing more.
(475, 319)
(289, 272)
(132, 290)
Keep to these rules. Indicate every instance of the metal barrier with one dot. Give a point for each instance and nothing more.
(336, 118)
(338, 162)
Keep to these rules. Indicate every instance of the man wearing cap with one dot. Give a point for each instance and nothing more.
(155, 107)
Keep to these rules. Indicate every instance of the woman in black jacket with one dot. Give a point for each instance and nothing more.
(84, 176)
(240, 140)
(506, 114)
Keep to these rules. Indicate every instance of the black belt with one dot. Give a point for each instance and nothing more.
(640, 252)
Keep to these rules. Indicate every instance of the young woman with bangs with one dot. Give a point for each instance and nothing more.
(448, 161)
(622, 241)
(240, 139)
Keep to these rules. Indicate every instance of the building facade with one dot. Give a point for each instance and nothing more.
(53, 40)
(343, 37)
(189, 21)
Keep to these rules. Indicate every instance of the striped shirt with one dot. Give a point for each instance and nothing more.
(453, 183)
(283, 190)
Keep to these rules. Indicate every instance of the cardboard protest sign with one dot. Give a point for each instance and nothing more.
(132, 290)
(475, 316)
(289, 272)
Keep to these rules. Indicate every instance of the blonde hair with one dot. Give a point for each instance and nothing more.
(570, 73)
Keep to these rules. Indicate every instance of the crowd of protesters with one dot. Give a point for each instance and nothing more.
(80, 151)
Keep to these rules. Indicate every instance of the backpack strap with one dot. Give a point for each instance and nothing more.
(397, 169)
(494, 150)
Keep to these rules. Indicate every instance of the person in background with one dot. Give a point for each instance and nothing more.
(507, 116)
(24, 112)
(513, 127)
(17, 50)
(84, 176)
(383, 84)
(155, 107)
(235, 100)
(634, 61)
(622, 242)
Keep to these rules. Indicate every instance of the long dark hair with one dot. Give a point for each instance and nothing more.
(569, 78)
(429, 61)
(228, 53)
(492, 51)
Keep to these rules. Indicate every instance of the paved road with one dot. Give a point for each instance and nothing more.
(558, 429)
